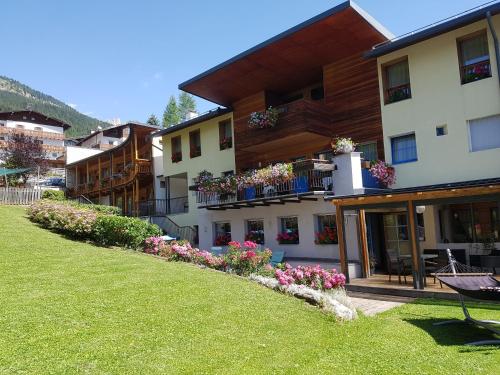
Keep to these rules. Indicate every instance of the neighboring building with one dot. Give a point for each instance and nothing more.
(317, 78)
(201, 143)
(49, 131)
(113, 167)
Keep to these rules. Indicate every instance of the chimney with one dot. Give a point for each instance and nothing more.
(191, 115)
(347, 178)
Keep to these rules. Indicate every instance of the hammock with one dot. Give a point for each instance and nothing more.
(471, 282)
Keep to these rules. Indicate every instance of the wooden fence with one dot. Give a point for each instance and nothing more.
(19, 196)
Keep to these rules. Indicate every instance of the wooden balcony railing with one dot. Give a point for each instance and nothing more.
(475, 72)
(32, 133)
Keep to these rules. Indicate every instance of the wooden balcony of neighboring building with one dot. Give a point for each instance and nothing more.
(32, 133)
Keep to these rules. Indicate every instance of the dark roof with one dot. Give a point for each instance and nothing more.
(186, 124)
(88, 136)
(441, 27)
(328, 34)
(425, 188)
(17, 116)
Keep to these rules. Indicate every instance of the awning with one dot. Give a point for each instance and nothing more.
(8, 171)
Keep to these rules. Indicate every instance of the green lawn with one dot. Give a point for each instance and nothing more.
(70, 307)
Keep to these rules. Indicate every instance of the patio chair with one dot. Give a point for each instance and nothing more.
(470, 282)
(216, 250)
(277, 258)
(394, 262)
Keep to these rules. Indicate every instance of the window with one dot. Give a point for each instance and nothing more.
(255, 231)
(326, 230)
(474, 57)
(396, 81)
(396, 233)
(484, 133)
(324, 155)
(2, 138)
(475, 222)
(38, 128)
(289, 230)
(317, 93)
(194, 144)
(404, 149)
(441, 130)
(19, 126)
(225, 135)
(227, 173)
(176, 149)
(222, 234)
(163, 184)
(368, 150)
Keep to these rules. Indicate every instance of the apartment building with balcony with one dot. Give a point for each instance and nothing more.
(440, 106)
(319, 85)
(198, 145)
(118, 174)
(47, 130)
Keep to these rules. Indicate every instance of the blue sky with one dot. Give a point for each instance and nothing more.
(125, 58)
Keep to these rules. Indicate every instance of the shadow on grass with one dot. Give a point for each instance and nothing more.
(460, 333)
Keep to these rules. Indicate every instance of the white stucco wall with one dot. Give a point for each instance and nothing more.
(158, 176)
(305, 211)
(439, 98)
(75, 153)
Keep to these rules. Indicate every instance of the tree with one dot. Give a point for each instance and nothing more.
(171, 115)
(153, 120)
(186, 104)
(23, 151)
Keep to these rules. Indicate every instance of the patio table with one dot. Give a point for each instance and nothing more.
(423, 258)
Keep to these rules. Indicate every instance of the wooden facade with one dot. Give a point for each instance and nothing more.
(318, 78)
(121, 176)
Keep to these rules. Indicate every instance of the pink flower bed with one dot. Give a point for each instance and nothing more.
(313, 277)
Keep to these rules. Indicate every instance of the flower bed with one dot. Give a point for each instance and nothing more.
(312, 277)
(263, 120)
(91, 222)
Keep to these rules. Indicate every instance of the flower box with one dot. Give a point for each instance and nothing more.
(263, 120)
(195, 152)
(288, 238)
(226, 143)
(176, 157)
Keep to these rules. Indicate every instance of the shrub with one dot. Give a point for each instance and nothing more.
(55, 195)
(312, 277)
(123, 231)
(246, 259)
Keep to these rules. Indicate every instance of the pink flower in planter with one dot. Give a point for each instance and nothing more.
(250, 245)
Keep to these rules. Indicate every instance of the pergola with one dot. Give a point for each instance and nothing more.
(409, 198)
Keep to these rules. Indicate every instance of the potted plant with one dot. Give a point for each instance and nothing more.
(222, 240)
(263, 120)
(327, 236)
(343, 146)
(383, 172)
(288, 238)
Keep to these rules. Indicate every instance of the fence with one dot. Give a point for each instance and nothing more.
(19, 196)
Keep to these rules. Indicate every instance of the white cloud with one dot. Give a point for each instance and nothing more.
(72, 105)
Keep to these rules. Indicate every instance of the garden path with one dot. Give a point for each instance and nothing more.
(372, 304)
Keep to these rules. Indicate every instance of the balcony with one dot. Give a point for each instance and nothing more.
(164, 207)
(308, 176)
(300, 123)
(33, 133)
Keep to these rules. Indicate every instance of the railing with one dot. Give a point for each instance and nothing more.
(304, 181)
(397, 93)
(475, 72)
(172, 229)
(33, 133)
(163, 207)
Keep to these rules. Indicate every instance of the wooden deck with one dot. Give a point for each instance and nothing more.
(380, 284)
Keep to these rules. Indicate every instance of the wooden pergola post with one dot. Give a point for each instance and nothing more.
(363, 242)
(339, 212)
(418, 278)
(137, 196)
(125, 206)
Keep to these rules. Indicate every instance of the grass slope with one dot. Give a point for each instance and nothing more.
(70, 307)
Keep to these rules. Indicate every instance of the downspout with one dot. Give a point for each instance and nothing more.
(495, 42)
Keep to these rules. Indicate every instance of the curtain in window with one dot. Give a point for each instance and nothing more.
(398, 74)
(404, 149)
(484, 133)
(474, 50)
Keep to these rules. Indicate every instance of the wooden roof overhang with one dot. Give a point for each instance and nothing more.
(426, 195)
(292, 59)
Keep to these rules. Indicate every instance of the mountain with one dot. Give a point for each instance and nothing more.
(15, 96)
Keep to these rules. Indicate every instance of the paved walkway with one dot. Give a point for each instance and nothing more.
(372, 304)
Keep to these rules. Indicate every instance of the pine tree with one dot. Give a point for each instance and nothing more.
(171, 115)
(153, 120)
(186, 104)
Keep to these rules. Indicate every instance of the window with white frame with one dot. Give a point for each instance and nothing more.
(326, 230)
(222, 233)
(289, 233)
(484, 133)
(255, 231)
